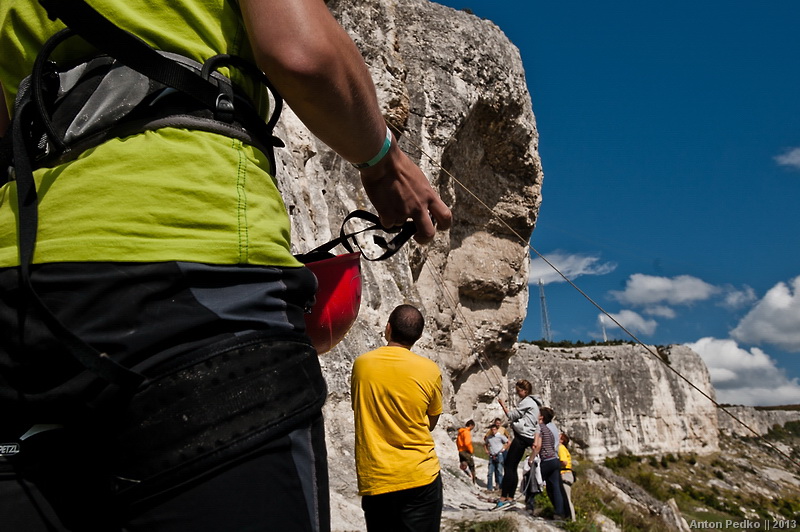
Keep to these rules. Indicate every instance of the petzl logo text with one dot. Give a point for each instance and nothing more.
(9, 449)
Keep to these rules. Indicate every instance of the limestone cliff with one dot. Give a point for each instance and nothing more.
(761, 420)
(617, 399)
(454, 87)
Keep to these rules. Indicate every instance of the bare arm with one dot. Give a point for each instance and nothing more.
(535, 448)
(537, 443)
(320, 73)
(432, 420)
(503, 405)
(4, 119)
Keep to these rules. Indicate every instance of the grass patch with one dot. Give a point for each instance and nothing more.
(788, 432)
(504, 524)
(590, 500)
(480, 451)
(544, 506)
(713, 487)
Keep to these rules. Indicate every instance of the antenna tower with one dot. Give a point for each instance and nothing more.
(603, 325)
(545, 320)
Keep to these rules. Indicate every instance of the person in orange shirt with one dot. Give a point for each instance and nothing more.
(465, 450)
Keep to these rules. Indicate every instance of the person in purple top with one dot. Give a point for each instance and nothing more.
(546, 446)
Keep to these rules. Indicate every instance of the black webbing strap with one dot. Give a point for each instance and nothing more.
(136, 54)
(253, 71)
(36, 85)
(6, 156)
(131, 50)
(348, 241)
(27, 199)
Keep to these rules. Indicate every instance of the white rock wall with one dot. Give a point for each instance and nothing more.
(761, 421)
(455, 88)
(618, 399)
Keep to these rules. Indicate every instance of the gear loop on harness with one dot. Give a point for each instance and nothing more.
(224, 109)
(213, 63)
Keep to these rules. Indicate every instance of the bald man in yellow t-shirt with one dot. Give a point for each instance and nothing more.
(397, 400)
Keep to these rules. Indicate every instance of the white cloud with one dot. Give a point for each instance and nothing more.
(789, 158)
(775, 320)
(661, 311)
(735, 298)
(745, 377)
(631, 320)
(572, 265)
(649, 290)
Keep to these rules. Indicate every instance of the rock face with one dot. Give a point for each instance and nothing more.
(454, 88)
(758, 419)
(634, 496)
(617, 399)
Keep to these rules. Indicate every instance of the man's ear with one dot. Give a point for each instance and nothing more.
(387, 333)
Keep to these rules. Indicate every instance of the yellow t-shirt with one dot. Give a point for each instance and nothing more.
(393, 392)
(564, 456)
(169, 194)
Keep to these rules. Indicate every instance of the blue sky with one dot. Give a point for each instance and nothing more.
(670, 141)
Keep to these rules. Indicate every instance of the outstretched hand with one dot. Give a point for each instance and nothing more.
(399, 190)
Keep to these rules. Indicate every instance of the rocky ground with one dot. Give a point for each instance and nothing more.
(745, 485)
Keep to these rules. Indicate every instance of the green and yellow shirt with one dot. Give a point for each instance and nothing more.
(168, 194)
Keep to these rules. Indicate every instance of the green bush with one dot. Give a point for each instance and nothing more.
(651, 484)
(620, 462)
(589, 500)
(543, 505)
(787, 508)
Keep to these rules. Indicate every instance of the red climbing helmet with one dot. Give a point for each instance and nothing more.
(338, 297)
(337, 302)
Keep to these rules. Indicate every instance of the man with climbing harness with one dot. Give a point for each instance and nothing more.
(155, 373)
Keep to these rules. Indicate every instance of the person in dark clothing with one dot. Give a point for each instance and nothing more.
(546, 446)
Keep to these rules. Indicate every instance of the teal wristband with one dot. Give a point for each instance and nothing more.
(387, 143)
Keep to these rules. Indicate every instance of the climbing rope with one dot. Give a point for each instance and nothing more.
(647, 348)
